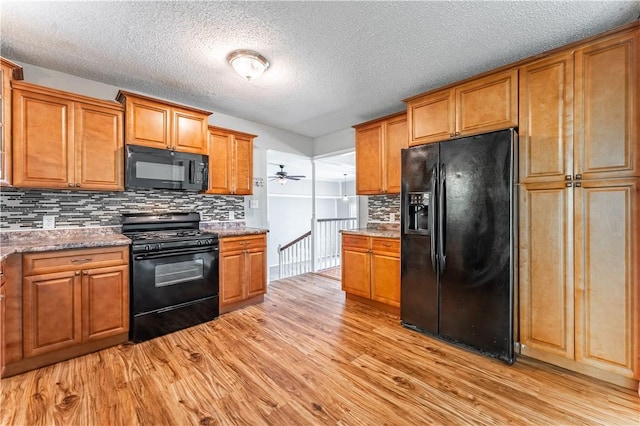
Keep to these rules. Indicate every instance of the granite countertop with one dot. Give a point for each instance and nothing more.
(226, 231)
(373, 232)
(59, 239)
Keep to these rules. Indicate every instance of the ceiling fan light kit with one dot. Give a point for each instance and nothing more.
(282, 176)
(248, 63)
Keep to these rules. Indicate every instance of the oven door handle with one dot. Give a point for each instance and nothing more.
(177, 252)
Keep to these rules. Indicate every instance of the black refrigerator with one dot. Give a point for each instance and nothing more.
(458, 238)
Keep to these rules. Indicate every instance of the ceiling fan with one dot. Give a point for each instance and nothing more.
(283, 176)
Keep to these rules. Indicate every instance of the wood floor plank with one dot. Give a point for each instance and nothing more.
(306, 356)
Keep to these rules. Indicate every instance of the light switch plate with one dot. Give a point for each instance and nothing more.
(392, 217)
(231, 215)
(48, 222)
(253, 204)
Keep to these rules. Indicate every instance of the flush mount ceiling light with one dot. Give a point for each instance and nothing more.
(248, 63)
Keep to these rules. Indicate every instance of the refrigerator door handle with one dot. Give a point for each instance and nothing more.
(432, 217)
(442, 211)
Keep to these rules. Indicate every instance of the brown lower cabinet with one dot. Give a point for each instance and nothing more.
(243, 271)
(579, 257)
(72, 302)
(371, 269)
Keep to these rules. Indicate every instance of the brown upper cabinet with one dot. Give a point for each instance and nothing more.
(8, 72)
(579, 113)
(64, 140)
(161, 124)
(230, 162)
(378, 145)
(480, 105)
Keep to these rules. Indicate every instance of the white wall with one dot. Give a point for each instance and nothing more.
(334, 142)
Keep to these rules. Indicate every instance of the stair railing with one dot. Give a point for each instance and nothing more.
(294, 258)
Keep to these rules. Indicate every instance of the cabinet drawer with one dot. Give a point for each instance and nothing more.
(386, 245)
(355, 241)
(64, 260)
(229, 244)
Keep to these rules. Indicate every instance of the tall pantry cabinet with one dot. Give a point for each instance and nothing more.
(579, 208)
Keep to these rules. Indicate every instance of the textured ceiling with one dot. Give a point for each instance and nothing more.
(333, 64)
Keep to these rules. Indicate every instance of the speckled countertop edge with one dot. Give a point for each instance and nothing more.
(36, 245)
(369, 232)
(232, 232)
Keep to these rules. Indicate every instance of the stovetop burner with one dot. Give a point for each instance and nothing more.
(167, 235)
(168, 231)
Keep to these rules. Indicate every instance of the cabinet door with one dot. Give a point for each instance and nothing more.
(546, 270)
(356, 272)
(148, 123)
(43, 138)
(607, 111)
(607, 276)
(52, 312)
(385, 278)
(396, 138)
(488, 103)
(256, 272)
(99, 148)
(5, 124)
(546, 120)
(105, 302)
(369, 160)
(243, 166)
(431, 117)
(232, 277)
(189, 131)
(220, 163)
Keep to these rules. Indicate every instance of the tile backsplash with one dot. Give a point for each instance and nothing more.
(22, 209)
(380, 207)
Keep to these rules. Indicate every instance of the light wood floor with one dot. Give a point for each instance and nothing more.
(304, 357)
(334, 273)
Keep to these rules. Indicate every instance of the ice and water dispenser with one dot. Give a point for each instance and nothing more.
(417, 211)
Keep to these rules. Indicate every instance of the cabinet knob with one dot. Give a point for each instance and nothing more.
(77, 273)
(567, 177)
(578, 176)
(70, 185)
(77, 185)
(569, 184)
(451, 135)
(578, 184)
(457, 133)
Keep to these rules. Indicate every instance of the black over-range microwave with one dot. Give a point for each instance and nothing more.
(165, 169)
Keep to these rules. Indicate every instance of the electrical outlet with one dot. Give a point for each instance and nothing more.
(253, 204)
(231, 215)
(392, 217)
(48, 222)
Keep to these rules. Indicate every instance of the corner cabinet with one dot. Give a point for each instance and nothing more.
(579, 209)
(243, 271)
(371, 270)
(62, 140)
(230, 162)
(378, 161)
(8, 72)
(480, 105)
(161, 124)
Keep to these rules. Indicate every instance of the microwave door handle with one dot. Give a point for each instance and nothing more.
(192, 171)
